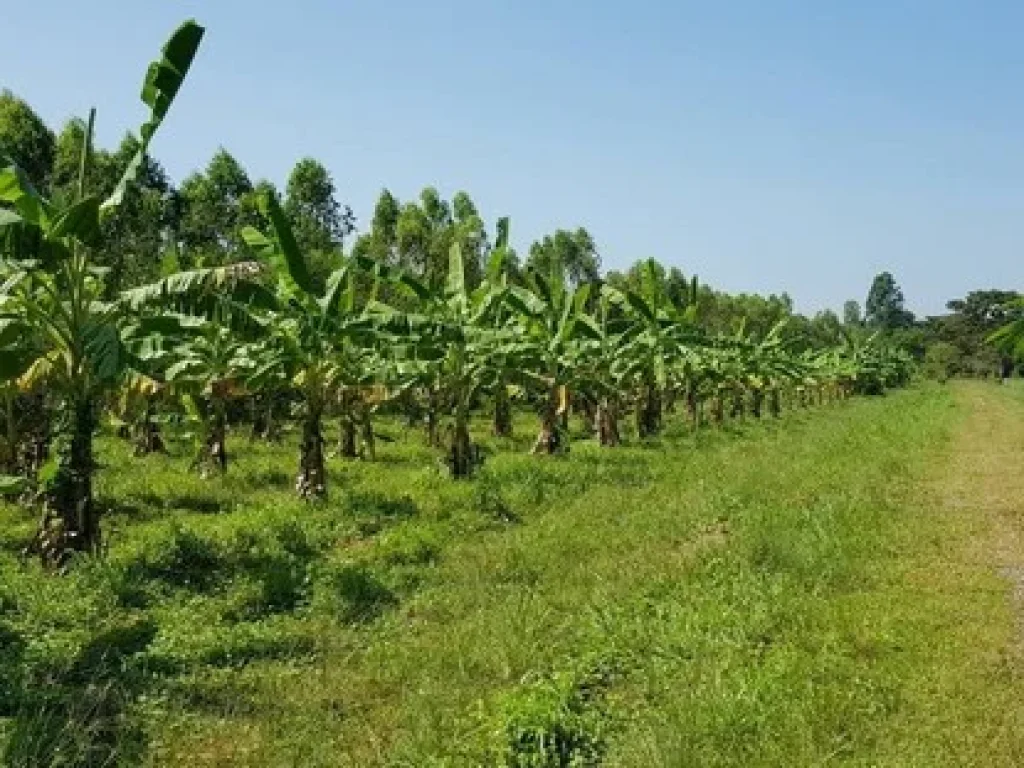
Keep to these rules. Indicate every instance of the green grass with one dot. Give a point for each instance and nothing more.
(738, 597)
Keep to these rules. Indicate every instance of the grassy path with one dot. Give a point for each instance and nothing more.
(962, 556)
(935, 626)
(822, 592)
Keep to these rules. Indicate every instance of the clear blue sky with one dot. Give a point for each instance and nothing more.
(766, 146)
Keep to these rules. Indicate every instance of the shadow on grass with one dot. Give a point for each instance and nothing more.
(373, 511)
(79, 714)
(351, 592)
(187, 502)
(275, 478)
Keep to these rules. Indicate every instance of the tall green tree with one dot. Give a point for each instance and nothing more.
(884, 308)
(320, 222)
(26, 139)
(471, 236)
(137, 233)
(65, 176)
(380, 243)
(575, 251)
(211, 210)
(851, 313)
(969, 328)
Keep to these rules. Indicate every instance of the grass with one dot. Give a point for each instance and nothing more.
(802, 592)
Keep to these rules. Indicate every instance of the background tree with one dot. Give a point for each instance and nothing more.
(679, 290)
(884, 307)
(319, 221)
(471, 236)
(381, 242)
(575, 251)
(64, 177)
(420, 238)
(139, 230)
(211, 208)
(967, 328)
(26, 140)
(851, 313)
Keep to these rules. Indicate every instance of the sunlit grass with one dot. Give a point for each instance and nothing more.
(734, 597)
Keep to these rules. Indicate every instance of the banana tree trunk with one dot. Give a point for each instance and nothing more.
(718, 408)
(213, 453)
(36, 446)
(608, 424)
(756, 402)
(551, 439)
(502, 413)
(311, 483)
(738, 403)
(433, 406)
(347, 427)
(12, 438)
(264, 425)
(775, 402)
(648, 412)
(410, 407)
(461, 452)
(149, 439)
(670, 399)
(588, 416)
(70, 520)
(347, 437)
(369, 445)
(692, 412)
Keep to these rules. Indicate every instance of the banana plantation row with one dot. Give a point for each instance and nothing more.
(265, 333)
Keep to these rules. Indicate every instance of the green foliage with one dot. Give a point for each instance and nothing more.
(851, 314)
(573, 253)
(73, 339)
(941, 361)
(215, 205)
(25, 139)
(884, 305)
(318, 219)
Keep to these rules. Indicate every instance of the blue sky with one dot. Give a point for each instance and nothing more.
(766, 146)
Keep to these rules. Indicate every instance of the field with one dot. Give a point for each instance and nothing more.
(834, 587)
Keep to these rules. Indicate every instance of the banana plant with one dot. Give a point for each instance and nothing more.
(759, 364)
(458, 345)
(606, 365)
(552, 318)
(308, 325)
(53, 308)
(209, 371)
(496, 276)
(132, 409)
(656, 348)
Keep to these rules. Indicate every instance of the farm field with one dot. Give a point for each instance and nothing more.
(281, 485)
(835, 587)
